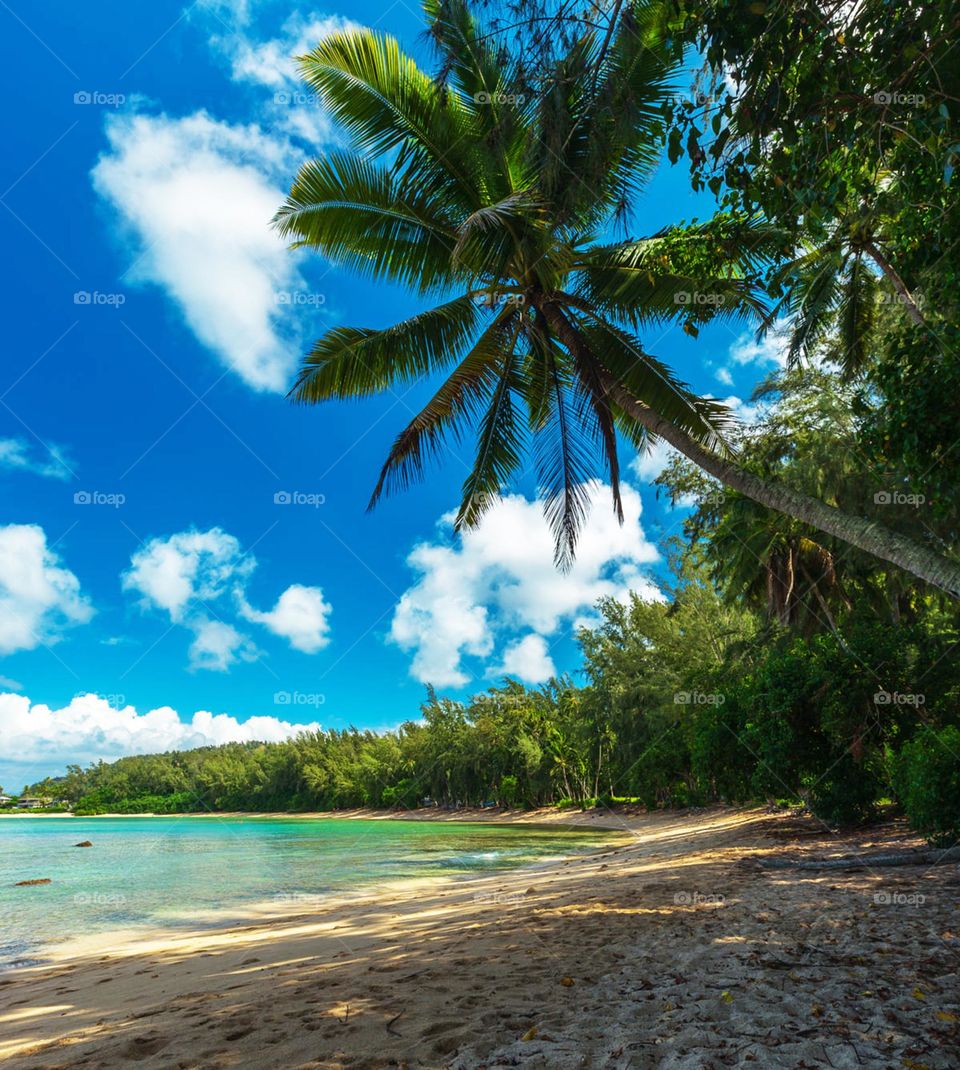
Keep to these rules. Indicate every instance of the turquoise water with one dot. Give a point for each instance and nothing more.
(193, 871)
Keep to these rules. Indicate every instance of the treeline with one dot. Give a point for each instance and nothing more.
(687, 701)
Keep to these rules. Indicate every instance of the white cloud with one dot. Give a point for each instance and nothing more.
(89, 728)
(300, 616)
(15, 454)
(200, 577)
(217, 645)
(528, 660)
(762, 356)
(38, 597)
(650, 462)
(272, 64)
(198, 196)
(171, 574)
(771, 351)
(500, 577)
(749, 415)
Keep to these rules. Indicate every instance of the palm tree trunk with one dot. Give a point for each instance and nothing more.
(867, 535)
(913, 310)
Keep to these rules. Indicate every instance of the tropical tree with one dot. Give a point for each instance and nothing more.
(497, 202)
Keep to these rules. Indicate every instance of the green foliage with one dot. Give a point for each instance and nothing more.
(476, 186)
(927, 781)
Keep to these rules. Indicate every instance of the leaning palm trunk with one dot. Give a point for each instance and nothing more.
(476, 191)
(867, 535)
(858, 531)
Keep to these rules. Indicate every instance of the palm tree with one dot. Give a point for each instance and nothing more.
(494, 200)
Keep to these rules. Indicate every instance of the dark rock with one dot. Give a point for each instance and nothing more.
(83, 843)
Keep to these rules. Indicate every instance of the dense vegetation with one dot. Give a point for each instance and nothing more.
(800, 655)
(839, 693)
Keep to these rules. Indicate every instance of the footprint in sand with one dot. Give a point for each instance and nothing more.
(144, 1047)
(239, 1034)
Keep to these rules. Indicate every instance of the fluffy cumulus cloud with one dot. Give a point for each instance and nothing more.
(39, 740)
(198, 578)
(270, 63)
(38, 596)
(770, 352)
(300, 616)
(475, 592)
(528, 659)
(197, 196)
(50, 461)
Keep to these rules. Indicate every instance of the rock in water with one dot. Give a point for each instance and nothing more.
(39, 880)
(83, 843)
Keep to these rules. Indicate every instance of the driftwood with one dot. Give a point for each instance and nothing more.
(900, 858)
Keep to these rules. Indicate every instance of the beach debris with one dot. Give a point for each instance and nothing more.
(38, 880)
(395, 1018)
(567, 982)
(83, 843)
(727, 997)
(531, 1033)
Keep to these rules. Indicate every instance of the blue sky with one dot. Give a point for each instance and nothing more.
(175, 536)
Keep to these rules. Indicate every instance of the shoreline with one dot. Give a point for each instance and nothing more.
(546, 815)
(292, 907)
(674, 942)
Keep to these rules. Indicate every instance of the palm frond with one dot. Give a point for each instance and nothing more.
(500, 443)
(564, 462)
(387, 103)
(356, 362)
(650, 381)
(459, 399)
(856, 317)
(375, 220)
(813, 281)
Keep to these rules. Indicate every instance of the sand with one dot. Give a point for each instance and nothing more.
(672, 950)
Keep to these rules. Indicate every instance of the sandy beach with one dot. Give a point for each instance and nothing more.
(672, 949)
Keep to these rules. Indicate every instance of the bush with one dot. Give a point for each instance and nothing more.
(847, 795)
(927, 781)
